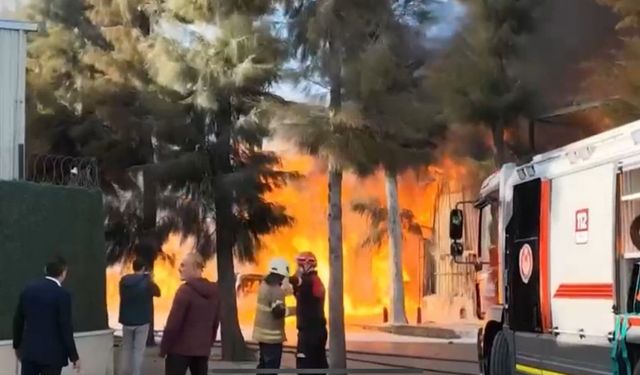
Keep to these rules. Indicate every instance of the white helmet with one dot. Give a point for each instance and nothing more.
(279, 266)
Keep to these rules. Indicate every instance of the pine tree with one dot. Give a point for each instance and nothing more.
(330, 38)
(322, 34)
(478, 82)
(108, 109)
(395, 98)
(103, 84)
(223, 80)
(626, 68)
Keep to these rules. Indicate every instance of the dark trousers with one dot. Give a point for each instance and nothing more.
(32, 368)
(270, 356)
(178, 364)
(312, 352)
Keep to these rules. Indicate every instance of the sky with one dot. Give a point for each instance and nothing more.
(10, 4)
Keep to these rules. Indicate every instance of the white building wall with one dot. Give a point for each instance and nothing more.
(94, 348)
(13, 50)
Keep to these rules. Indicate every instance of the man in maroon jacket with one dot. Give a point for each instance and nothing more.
(192, 325)
(311, 322)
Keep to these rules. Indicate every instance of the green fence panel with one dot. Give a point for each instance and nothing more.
(38, 222)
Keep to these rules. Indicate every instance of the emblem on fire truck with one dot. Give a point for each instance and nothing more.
(526, 263)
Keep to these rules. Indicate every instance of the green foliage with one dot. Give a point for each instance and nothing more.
(386, 119)
(343, 138)
(242, 60)
(96, 99)
(214, 11)
(377, 216)
(477, 80)
(395, 99)
(626, 68)
(141, 102)
(223, 82)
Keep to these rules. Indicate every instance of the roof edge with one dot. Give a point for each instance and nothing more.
(18, 25)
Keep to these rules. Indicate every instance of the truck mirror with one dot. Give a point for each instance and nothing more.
(456, 223)
(456, 249)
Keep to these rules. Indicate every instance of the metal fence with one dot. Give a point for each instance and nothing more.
(63, 170)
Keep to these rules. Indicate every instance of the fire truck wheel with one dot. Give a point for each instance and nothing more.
(500, 362)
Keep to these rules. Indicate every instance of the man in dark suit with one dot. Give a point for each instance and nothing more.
(42, 329)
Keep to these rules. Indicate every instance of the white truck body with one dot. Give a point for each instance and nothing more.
(566, 257)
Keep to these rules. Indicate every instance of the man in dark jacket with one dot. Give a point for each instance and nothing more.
(192, 325)
(42, 329)
(136, 304)
(311, 322)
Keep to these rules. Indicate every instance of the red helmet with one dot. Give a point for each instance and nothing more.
(307, 261)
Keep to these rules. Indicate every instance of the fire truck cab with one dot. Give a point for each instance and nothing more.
(564, 230)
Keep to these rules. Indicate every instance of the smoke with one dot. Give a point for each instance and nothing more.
(569, 35)
(448, 16)
(555, 61)
(557, 57)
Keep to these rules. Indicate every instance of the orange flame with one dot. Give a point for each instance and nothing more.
(366, 276)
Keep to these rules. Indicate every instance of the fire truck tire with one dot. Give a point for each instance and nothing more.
(500, 362)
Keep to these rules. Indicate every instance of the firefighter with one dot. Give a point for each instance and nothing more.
(268, 329)
(311, 322)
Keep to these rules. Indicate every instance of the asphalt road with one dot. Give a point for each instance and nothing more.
(377, 350)
(371, 350)
(425, 358)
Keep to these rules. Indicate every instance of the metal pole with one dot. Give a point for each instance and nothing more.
(420, 270)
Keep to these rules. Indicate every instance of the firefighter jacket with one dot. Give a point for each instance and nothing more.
(271, 310)
(310, 294)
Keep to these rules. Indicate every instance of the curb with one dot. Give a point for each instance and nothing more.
(429, 331)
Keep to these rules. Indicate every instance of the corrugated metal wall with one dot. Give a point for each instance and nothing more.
(12, 106)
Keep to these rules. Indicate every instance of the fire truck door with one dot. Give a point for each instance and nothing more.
(522, 259)
(522, 274)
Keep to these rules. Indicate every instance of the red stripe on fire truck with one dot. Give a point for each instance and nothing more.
(584, 291)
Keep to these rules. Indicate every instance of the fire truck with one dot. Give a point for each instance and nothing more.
(564, 230)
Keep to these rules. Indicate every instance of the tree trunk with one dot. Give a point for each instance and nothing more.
(149, 220)
(337, 341)
(498, 143)
(234, 347)
(398, 313)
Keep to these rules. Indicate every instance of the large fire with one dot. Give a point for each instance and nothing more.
(366, 270)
